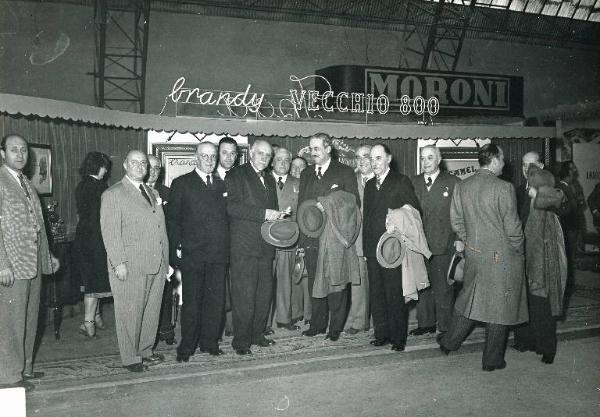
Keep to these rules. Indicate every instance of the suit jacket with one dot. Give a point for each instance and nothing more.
(361, 193)
(396, 191)
(337, 177)
(134, 231)
(484, 216)
(288, 196)
(523, 203)
(197, 220)
(247, 201)
(22, 229)
(435, 205)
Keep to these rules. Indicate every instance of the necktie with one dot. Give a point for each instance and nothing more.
(280, 183)
(378, 183)
(24, 186)
(364, 181)
(261, 177)
(429, 182)
(319, 175)
(145, 194)
(208, 181)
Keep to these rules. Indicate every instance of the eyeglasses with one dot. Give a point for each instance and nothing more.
(360, 158)
(138, 163)
(208, 158)
(154, 168)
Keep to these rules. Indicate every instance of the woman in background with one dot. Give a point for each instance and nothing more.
(91, 253)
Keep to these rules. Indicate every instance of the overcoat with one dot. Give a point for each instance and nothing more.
(484, 216)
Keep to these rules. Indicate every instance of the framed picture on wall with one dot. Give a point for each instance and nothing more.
(39, 168)
(461, 162)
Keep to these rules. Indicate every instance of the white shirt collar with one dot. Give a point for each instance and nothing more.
(136, 183)
(367, 177)
(203, 175)
(432, 176)
(222, 171)
(382, 178)
(283, 177)
(14, 173)
(324, 167)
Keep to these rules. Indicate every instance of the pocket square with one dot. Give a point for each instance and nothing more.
(224, 194)
(334, 186)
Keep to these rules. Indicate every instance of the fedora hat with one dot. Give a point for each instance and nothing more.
(298, 268)
(456, 268)
(310, 219)
(280, 233)
(390, 250)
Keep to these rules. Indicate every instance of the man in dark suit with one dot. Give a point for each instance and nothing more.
(327, 175)
(166, 326)
(134, 234)
(198, 225)
(388, 190)
(24, 257)
(434, 190)
(523, 199)
(251, 200)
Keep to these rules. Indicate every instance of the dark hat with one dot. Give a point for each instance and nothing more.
(310, 219)
(280, 233)
(298, 270)
(538, 177)
(456, 268)
(390, 250)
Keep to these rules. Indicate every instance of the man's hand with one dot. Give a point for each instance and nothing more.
(271, 215)
(320, 206)
(459, 246)
(121, 271)
(7, 278)
(55, 263)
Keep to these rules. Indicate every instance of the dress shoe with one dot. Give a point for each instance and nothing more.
(34, 375)
(265, 342)
(519, 347)
(307, 321)
(490, 368)
(422, 330)
(398, 347)
(352, 330)
(312, 332)
(444, 349)
(213, 351)
(170, 341)
(547, 359)
(333, 336)
(182, 358)
(380, 342)
(288, 326)
(243, 351)
(136, 367)
(154, 359)
(268, 332)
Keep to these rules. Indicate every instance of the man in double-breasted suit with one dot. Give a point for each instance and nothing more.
(388, 190)
(434, 189)
(484, 216)
(251, 200)
(325, 176)
(24, 257)
(198, 225)
(134, 233)
(288, 298)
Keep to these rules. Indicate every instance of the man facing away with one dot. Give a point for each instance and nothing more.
(24, 257)
(198, 225)
(484, 216)
(134, 233)
(434, 190)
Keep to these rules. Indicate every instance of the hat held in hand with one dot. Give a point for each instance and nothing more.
(311, 219)
(280, 233)
(390, 250)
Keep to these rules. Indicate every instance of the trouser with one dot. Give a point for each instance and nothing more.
(495, 339)
(288, 298)
(137, 302)
(540, 333)
(358, 316)
(435, 303)
(251, 294)
(19, 308)
(203, 304)
(390, 313)
(166, 326)
(334, 303)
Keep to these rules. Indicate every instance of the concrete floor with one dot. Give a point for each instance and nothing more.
(312, 377)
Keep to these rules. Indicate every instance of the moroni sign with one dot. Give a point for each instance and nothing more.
(464, 94)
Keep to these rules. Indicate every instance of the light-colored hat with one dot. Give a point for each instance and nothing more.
(310, 219)
(280, 233)
(390, 250)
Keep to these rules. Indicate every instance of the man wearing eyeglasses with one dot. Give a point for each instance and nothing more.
(134, 233)
(198, 224)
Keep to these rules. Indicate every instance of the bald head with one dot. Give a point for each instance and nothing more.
(206, 157)
(260, 154)
(282, 159)
(531, 158)
(14, 151)
(136, 165)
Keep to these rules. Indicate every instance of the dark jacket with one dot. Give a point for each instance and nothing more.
(197, 220)
(396, 191)
(247, 201)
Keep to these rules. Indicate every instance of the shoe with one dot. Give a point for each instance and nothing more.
(547, 359)
(228, 333)
(213, 351)
(307, 321)
(519, 347)
(297, 320)
(155, 359)
(380, 342)
(182, 358)
(136, 367)
(422, 330)
(99, 322)
(268, 332)
(312, 332)
(288, 326)
(21, 384)
(398, 347)
(170, 341)
(444, 350)
(88, 329)
(34, 375)
(243, 351)
(265, 342)
(352, 330)
(333, 336)
(490, 368)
